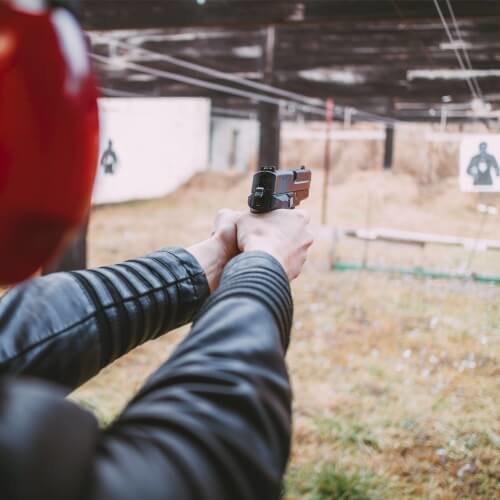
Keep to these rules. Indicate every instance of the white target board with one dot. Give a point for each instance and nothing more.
(480, 163)
(150, 146)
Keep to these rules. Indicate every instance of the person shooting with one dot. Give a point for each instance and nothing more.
(214, 421)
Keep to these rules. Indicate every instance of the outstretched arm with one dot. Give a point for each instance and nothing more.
(66, 327)
(213, 423)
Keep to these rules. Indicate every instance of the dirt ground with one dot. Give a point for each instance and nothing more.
(396, 379)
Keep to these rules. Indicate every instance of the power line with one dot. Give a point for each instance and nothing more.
(457, 53)
(242, 114)
(231, 90)
(290, 97)
(223, 76)
(464, 48)
(168, 75)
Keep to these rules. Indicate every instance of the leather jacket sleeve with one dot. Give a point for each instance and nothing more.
(213, 423)
(66, 327)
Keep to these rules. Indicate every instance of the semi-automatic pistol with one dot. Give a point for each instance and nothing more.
(273, 189)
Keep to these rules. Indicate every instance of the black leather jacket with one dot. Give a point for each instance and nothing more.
(212, 423)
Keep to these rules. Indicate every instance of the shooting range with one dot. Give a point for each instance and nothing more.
(395, 107)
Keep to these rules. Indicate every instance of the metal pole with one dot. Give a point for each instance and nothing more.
(330, 106)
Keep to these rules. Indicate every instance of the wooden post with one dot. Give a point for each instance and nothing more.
(389, 146)
(389, 137)
(269, 114)
(330, 106)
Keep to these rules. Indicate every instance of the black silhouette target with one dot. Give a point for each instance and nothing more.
(479, 163)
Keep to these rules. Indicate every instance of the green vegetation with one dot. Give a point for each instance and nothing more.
(347, 432)
(331, 482)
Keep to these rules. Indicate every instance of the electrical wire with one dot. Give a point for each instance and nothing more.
(466, 57)
(249, 115)
(221, 75)
(233, 91)
(457, 53)
(290, 97)
(168, 75)
(464, 48)
(313, 106)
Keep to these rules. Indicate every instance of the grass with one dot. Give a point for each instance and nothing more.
(396, 380)
(404, 383)
(330, 482)
(347, 433)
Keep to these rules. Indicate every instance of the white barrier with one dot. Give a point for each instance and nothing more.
(150, 146)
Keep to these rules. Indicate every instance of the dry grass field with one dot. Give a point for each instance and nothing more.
(396, 379)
